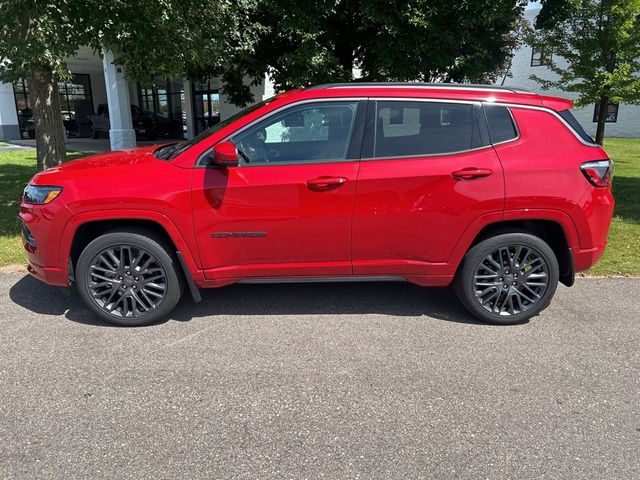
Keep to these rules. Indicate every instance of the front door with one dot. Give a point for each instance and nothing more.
(429, 173)
(286, 209)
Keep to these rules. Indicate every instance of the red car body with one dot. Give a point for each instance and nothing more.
(367, 217)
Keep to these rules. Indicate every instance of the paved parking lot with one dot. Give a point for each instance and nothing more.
(321, 381)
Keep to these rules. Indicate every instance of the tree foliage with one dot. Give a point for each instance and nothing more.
(302, 43)
(168, 37)
(35, 38)
(596, 50)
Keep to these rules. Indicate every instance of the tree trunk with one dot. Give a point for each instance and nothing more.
(602, 117)
(47, 117)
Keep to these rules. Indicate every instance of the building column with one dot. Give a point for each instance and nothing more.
(121, 132)
(9, 129)
(188, 108)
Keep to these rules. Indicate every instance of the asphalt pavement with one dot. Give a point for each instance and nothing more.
(336, 381)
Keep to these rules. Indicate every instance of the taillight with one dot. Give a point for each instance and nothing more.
(598, 173)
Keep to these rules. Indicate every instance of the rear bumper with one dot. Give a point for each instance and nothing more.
(584, 259)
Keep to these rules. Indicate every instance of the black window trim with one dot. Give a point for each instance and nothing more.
(368, 141)
(353, 145)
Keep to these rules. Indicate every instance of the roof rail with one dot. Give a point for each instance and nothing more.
(461, 86)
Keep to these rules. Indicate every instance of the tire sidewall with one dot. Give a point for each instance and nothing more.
(157, 249)
(464, 280)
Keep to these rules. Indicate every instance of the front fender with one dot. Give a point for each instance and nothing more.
(72, 225)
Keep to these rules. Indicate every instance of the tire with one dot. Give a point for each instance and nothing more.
(152, 134)
(517, 276)
(93, 133)
(107, 281)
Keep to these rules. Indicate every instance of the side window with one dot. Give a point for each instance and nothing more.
(405, 128)
(312, 132)
(501, 127)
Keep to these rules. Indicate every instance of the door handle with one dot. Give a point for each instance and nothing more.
(471, 173)
(326, 183)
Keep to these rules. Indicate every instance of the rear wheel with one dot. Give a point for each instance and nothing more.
(508, 278)
(129, 278)
(93, 133)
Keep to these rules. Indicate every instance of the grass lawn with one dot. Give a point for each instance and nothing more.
(16, 168)
(622, 257)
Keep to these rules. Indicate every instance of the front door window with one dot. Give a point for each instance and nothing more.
(316, 132)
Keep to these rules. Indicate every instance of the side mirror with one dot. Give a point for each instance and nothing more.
(224, 155)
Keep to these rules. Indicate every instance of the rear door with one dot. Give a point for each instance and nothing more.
(428, 171)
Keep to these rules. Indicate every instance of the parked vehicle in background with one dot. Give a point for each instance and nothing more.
(497, 191)
(144, 123)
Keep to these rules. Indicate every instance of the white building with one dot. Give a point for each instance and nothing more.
(186, 107)
(623, 120)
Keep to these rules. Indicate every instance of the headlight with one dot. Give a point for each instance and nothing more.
(40, 195)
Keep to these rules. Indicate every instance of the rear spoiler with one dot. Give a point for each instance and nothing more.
(556, 103)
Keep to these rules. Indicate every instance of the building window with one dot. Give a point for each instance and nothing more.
(540, 58)
(206, 105)
(165, 99)
(612, 112)
(75, 100)
(23, 107)
(77, 104)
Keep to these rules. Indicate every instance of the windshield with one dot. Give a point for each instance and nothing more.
(167, 153)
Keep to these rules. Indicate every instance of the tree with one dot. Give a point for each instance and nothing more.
(303, 43)
(166, 37)
(596, 51)
(35, 37)
(169, 37)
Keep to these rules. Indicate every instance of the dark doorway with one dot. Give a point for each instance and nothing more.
(206, 106)
(164, 99)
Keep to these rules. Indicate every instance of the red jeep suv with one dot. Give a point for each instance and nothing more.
(496, 190)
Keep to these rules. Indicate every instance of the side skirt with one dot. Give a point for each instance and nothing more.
(350, 278)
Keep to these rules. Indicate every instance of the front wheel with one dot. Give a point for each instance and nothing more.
(508, 278)
(129, 278)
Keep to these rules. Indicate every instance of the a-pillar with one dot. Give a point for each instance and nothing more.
(121, 132)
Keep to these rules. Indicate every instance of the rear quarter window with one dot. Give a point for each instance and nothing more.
(568, 117)
(500, 122)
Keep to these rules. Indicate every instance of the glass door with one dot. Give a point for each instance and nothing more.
(206, 106)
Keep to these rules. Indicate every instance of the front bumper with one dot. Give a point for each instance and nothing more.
(41, 234)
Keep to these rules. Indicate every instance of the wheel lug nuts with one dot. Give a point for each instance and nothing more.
(120, 277)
